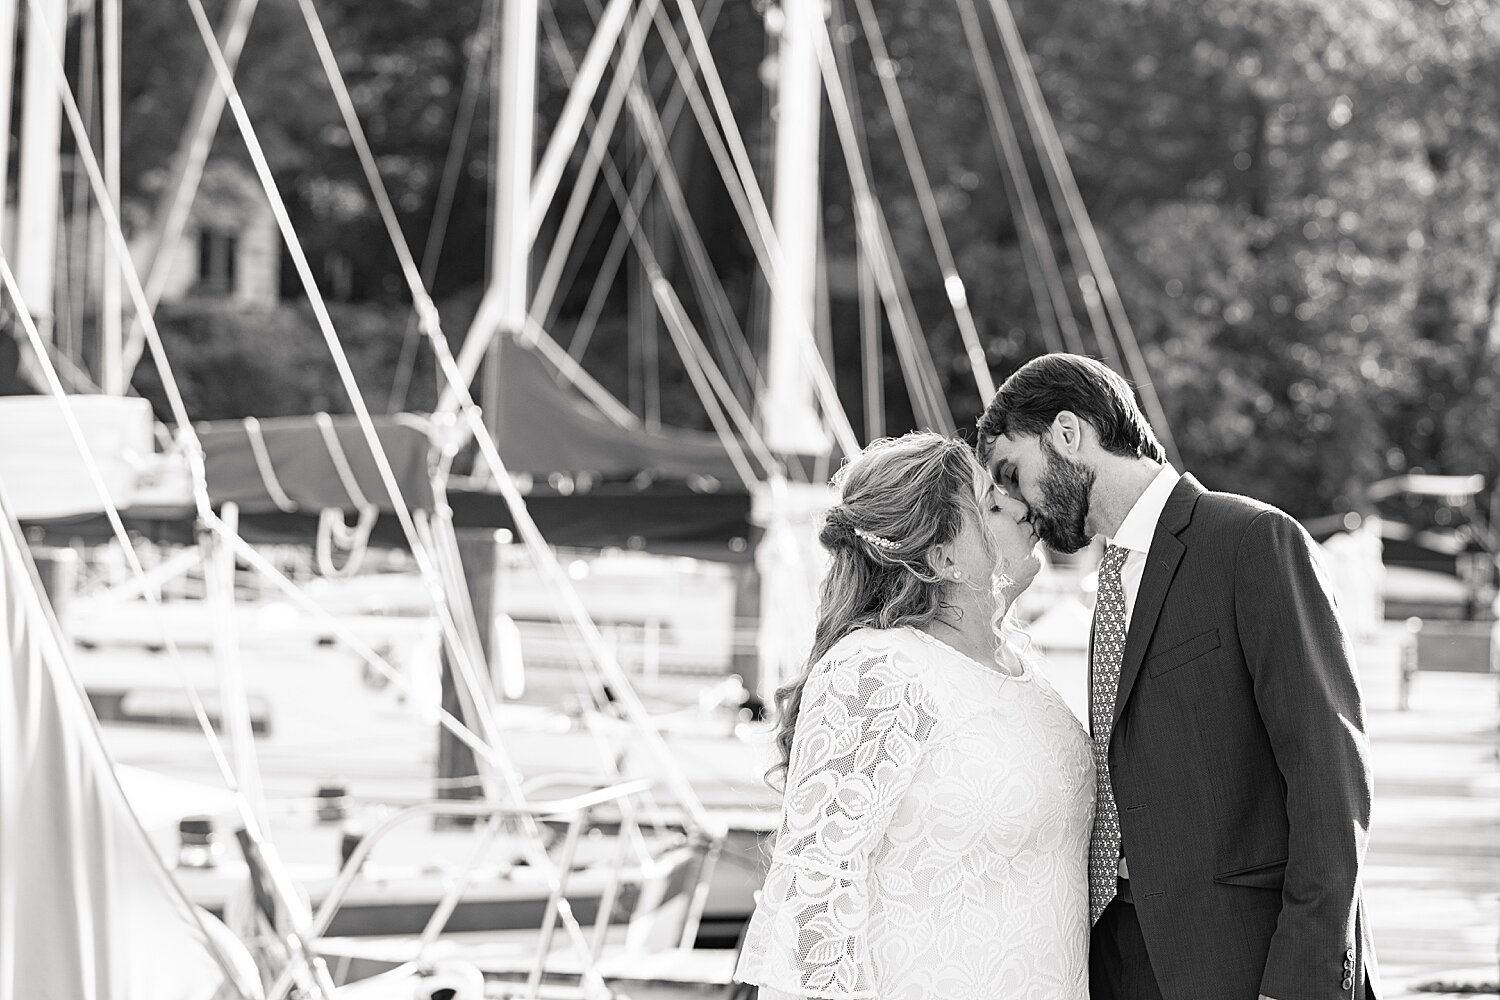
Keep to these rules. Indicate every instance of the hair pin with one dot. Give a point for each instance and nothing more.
(875, 540)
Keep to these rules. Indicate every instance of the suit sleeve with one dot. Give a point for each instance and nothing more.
(1307, 691)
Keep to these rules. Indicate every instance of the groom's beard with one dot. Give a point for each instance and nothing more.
(1063, 504)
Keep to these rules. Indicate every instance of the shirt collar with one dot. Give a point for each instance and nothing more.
(1139, 526)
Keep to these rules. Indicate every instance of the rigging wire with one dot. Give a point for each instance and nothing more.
(694, 351)
(593, 309)
(565, 133)
(588, 233)
(533, 333)
(912, 352)
(606, 661)
(341, 362)
(193, 454)
(340, 359)
(437, 229)
(527, 526)
(657, 130)
(428, 311)
(953, 283)
(1037, 253)
(927, 395)
(728, 332)
(1041, 122)
(190, 157)
(605, 274)
(763, 234)
(1052, 327)
(640, 303)
(53, 384)
(536, 543)
(1078, 259)
(595, 154)
(655, 133)
(470, 679)
(676, 324)
(115, 234)
(695, 355)
(872, 358)
(924, 392)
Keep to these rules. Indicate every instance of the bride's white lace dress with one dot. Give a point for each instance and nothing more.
(934, 834)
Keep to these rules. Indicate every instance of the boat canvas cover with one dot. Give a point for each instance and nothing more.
(545, 427)
(44, 473)
(87, 909)
(306, 464)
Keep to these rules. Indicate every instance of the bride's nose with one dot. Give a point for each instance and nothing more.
(1012, 506)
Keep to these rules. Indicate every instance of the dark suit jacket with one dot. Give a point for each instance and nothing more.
(1239, 761)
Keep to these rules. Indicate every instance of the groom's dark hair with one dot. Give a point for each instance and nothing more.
(1043, 387)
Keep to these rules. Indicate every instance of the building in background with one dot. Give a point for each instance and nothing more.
(230, 252)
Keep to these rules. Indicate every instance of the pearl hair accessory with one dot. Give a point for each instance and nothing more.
(875, 540)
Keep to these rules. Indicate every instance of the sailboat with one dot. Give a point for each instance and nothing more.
(614, 867)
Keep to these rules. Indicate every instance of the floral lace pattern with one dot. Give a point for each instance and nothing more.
(934, 834)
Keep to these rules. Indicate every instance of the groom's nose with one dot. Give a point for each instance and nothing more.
(1014, 507)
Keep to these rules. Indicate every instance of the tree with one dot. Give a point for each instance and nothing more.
(1296, 198)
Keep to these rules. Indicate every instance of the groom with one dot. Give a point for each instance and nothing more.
(1233, 782)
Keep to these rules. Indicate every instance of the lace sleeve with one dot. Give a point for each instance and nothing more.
(861, 730)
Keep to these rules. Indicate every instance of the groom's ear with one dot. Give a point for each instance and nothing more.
(1066, 433)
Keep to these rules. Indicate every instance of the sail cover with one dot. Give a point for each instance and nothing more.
(544, 427)
(87, 910)
(308, 464)
(44, 473)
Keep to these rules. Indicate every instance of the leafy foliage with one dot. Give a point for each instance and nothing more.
(1297, 197)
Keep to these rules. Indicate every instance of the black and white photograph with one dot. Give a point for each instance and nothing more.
(749, 499)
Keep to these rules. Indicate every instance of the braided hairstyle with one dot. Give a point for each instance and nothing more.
(899, 499)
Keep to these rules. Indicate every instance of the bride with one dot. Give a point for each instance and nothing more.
(938, 794)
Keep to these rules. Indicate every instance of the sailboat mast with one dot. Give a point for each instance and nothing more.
(39, 180)
(515, 130)
(790, 415)
(111, 309)
(502, 314)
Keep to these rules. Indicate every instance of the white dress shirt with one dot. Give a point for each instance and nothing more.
(1135, 535)
(1137, 530)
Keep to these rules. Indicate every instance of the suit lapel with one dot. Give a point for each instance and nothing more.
(1161, 565)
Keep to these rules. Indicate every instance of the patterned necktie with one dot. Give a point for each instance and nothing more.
(1105, 658)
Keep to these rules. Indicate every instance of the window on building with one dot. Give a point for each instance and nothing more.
(217, 254)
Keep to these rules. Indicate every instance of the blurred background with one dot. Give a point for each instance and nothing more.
(477, 368)
(1297, 200)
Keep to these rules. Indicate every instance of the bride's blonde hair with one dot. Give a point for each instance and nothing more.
(899, 499)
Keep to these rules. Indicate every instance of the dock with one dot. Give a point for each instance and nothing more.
(1432, 882)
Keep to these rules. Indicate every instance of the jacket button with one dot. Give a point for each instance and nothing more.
(1349, 955)
(1348, 983)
